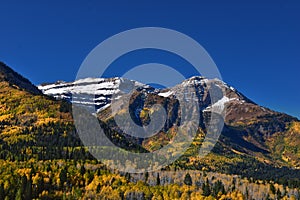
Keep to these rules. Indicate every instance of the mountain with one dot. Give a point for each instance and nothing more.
(251, 131)
(42, 156)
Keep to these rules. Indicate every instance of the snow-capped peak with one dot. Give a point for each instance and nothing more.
(97, 93)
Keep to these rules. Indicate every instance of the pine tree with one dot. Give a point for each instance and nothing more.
(247, 193)
(157, 179)
(206, 189)
(188, 179)
(63, 177)
(98, 188)
(278, 193)
(82, 170)
(146, 177)
(127, 176)
(40, 185)
(19, 194)
(23, 184)
(2, 193)
(233, 184)
(218, 187)
(28, 190)
(272, 188)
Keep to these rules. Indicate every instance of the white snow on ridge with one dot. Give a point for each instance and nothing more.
(87, 86)
(90, 91)
(165, 94)
(99, 92)
(103, 107)
(219, 106)
(104, 88)
(195, 80)
(88, 80)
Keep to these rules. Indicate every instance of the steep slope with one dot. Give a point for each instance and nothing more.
(16, 80)
(32, 124)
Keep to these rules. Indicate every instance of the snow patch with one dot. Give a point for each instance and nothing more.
(219, 106)
(103, 107)
(165, 94)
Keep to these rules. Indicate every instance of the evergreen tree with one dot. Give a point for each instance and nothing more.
(233, 184)
(146, 177)
(188, 179)
(19, 194)
(2, 193)
(28, 190)
(247, 193)
(23, 184)
(127, 176)
(157, 179)
(40, 185)
(98, 188)
(272, 188)
(82, 170)
(278, 193)
(63, 176)
(206, 188)
(218, 187)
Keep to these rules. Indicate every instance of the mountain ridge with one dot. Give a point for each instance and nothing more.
(15, 79)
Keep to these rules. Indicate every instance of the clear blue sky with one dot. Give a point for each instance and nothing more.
(255, 44)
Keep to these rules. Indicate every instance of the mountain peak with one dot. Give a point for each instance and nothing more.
(15, 79)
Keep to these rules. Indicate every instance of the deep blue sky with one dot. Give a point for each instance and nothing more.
(255, 44)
